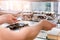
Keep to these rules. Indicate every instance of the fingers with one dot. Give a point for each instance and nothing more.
(14, 19)
(11, 19)
(54, 25)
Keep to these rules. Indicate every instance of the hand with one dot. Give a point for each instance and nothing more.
(46, 25)
(8, 18)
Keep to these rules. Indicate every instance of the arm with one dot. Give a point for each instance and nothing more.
(22, 34)
(2, 19)
(31, 32)
(26, 33)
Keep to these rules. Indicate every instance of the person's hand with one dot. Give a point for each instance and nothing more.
(8, 18)
(46, 25)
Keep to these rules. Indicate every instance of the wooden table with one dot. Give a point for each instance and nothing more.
(55, 37)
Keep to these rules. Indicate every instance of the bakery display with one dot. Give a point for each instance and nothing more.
(50, 15)
(38, 17)
(27, 16)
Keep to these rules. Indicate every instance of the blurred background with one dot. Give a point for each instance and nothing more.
(32, 11)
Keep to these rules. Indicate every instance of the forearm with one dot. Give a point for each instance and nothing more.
(31, 32)
(1, 20)
(34, 30)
